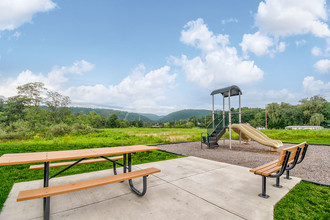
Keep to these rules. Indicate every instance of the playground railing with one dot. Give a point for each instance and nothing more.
(219, 124)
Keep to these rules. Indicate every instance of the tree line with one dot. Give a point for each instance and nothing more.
(37, 111)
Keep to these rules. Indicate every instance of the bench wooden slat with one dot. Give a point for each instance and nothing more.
(263, 166)
(52, 165)
(72, 187)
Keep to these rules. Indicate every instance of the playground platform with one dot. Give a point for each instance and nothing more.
(186, 188)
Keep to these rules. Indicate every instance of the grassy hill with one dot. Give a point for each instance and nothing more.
(184, 114)
(130, 116)
(106, 112)
(152, 116)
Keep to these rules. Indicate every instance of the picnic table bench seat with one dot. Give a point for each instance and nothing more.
(288, 159)
(72, 187)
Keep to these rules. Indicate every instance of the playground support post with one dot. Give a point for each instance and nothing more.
(223, 116)
(229, 127)
(240, 117)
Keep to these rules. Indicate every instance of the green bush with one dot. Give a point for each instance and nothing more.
(59, 129)
(79, 128)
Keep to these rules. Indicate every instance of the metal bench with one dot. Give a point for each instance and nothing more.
(287, 160)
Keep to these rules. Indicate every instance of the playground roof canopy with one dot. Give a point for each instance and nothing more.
(234, 90)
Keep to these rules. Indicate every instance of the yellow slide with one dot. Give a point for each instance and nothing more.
(248, 132)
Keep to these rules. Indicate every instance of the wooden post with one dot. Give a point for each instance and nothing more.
(240, 117)
(229, 126)
(223, 116)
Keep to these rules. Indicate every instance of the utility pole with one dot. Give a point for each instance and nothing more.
(266, 116)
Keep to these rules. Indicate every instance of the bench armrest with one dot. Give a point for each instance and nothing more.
(284, 165)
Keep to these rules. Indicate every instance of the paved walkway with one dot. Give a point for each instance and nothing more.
(186, 188)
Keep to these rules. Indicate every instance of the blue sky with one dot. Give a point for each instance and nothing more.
(162, 56)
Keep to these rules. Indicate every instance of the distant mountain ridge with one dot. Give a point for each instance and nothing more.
(131, 116)
(185, 114)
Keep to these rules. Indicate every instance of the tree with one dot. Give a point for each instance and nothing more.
(315, 104)
(113, 121)
(316, 119)
(32, 93)
(57, 104)
(14, 108)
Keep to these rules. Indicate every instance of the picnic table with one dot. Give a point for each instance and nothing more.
(83, 154)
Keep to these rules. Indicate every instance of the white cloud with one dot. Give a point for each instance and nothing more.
(313, 87)
(256, 43)
(54, 80)
(219, 64)
(300, 42)
(322, 66)
(291, 17)
(140, 91)
(229, 20)
(197, 34)
(14, 13)
(316, 51)
(259, 98)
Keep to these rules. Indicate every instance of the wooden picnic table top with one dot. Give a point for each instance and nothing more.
(23, 158)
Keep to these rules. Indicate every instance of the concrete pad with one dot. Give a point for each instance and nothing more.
(183, 167)
(186, 188)
(236, 189)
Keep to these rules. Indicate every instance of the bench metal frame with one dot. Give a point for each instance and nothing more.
(278, 174)
(298, 162)
(46, 200)
(289, 167)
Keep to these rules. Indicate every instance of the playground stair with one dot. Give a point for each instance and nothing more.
(214, 137)
(215, 130)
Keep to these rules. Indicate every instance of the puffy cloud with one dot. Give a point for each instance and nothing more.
(322, 66)
(14, 13)
(261, 97)
(53, 81)
(261, 44)
(313, 87)
(256, 43)
(291, 17)
(139, 91)
(218, 64)
(197, 34)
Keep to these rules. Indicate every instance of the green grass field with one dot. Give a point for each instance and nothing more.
(119, 137)
(305, 201)
(103, 138)
(295, 136)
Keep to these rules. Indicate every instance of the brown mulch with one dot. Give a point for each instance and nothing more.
(315, 167)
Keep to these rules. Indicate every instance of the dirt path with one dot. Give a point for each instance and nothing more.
(315, 167)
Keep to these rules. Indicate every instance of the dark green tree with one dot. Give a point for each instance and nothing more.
(113, 121)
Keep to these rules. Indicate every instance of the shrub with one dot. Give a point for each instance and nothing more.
(59, 129)
(79, 128)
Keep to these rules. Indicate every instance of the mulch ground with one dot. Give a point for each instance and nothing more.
(315, 167)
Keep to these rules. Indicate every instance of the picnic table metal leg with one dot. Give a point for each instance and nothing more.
(125, 163)
(46, 199)
(131, 181)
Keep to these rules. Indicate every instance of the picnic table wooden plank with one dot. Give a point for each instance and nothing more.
(23, 158)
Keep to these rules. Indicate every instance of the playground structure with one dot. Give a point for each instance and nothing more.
(217, 128)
